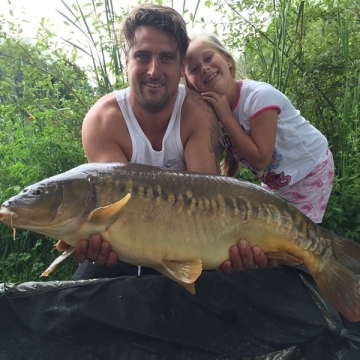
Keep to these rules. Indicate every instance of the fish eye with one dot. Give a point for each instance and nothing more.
(38, 191)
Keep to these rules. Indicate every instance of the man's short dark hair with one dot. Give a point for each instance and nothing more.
(163, 18)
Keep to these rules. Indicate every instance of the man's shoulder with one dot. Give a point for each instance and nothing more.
(194, 103)
(105, 111)
(105, 108)
(106, 100)
(191, 95)
(196, 114)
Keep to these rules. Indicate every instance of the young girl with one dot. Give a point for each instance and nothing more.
(262, 129)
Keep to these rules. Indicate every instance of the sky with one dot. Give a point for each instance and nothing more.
(33, 10)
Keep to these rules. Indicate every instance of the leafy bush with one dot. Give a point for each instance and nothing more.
(42, 106)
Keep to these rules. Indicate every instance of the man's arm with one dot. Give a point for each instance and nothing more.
(199, 133)
(104, 134)
(103, 141)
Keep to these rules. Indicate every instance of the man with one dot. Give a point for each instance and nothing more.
(154, 121)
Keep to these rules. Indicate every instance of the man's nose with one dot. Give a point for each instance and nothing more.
(154, 68)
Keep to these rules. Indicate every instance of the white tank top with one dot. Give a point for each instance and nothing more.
(171, 155)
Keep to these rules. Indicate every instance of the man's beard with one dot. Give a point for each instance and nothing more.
(151, 105)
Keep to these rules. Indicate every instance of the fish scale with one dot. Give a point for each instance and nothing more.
(278, 220)
(180, 223)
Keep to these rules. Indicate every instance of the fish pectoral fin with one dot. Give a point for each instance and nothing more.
(282, 255)
(58, 260)
(106, 215)
(184, 273)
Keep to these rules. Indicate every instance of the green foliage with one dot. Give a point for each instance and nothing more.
(42, 105)
(27, 256)
(98, 24)
(42, 109)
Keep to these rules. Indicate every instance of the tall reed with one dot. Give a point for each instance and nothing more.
(98, 23)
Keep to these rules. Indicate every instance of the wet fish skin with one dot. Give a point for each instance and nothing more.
(180, 223)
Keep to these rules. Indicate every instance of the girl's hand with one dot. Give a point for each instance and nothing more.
(220, 104)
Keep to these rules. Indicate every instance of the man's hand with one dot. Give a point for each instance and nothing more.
(242, 257)
(99, 251)
(94, 250)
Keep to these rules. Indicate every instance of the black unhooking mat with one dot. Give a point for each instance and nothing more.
(273, 313)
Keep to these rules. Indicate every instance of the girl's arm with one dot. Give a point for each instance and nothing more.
(256, 148)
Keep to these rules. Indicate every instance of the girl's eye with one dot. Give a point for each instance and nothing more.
(208, 58)
(193, 71)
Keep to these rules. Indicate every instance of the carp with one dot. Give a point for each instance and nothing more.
(181, 223)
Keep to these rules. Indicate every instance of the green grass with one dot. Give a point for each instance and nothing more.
(26, 257)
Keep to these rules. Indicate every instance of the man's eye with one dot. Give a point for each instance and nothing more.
(143, 57)
(167, 58)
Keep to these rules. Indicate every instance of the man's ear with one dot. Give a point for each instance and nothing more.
(182, 69)
(126, 63)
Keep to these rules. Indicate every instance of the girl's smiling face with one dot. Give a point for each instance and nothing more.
(206, 68)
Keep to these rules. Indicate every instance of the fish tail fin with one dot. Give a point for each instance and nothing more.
(338, 281)
(347, 252)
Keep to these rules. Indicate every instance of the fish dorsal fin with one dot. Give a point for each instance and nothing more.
(282, 255)
(184, 273)
(106, 215)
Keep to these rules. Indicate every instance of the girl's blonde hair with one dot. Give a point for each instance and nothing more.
(228, 165)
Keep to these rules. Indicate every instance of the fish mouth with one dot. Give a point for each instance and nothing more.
(7, 216)
(11, 219)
